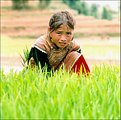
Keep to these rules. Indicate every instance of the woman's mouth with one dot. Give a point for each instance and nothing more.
(62, 44)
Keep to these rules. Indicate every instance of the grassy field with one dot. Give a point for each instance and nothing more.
(14, 46)
(32, 94)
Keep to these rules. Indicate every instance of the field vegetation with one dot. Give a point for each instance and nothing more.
(33, 94)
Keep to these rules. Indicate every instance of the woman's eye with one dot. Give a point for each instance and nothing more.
(68, 33)
(58, 33)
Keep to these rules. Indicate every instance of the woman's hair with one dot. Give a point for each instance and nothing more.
(59, 18)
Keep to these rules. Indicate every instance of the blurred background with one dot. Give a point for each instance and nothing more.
(97, 28)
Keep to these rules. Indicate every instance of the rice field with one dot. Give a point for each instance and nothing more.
(33, 94)
(37, 94)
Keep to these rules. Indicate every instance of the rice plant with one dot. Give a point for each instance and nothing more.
(33, 94)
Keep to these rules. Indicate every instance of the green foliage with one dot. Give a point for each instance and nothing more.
(44, 3)
(106, 14)
(25, 56)
(20, 4)
(31, 94)
(66, 1)
(83, 8)
(94, 10)
(79, 6)
(71, 3)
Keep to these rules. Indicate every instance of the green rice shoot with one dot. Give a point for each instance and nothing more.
(33, 94)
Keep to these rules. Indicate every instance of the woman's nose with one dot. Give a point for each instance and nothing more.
(63, 38)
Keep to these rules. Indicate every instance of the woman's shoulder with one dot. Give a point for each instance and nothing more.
(75, 46)
(40, 40)
(41, 43)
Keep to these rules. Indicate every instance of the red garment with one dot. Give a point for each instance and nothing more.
(75, 62)
(81, 66)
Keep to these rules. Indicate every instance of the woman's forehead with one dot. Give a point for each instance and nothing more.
(64, 27)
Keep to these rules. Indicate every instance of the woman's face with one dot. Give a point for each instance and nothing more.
(62, 36)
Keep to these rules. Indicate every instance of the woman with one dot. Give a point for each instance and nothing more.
(57, 47)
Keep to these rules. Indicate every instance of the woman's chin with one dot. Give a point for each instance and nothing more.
(62, 46)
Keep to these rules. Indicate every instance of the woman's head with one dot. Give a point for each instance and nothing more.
(59, 18)
(61, 29)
